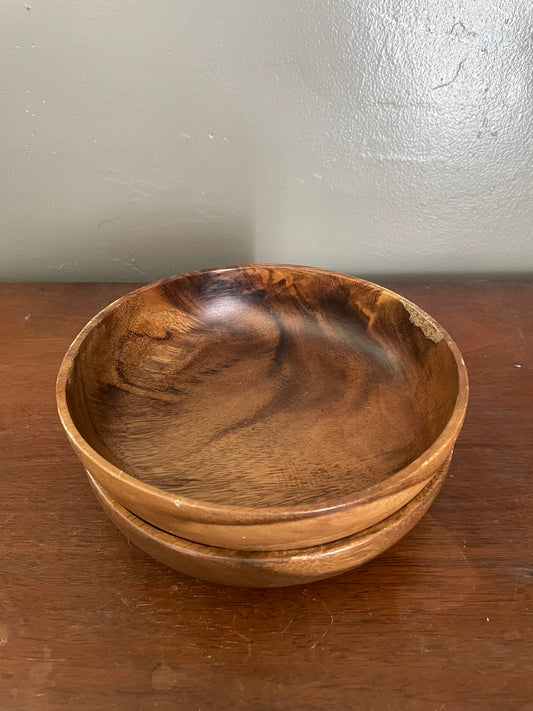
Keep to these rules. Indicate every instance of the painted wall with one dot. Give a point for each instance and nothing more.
(143, 138)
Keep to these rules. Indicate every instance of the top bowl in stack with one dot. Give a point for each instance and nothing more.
(262, 407)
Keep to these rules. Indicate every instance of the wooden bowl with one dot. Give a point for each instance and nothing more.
(262, 407)
(269, 568)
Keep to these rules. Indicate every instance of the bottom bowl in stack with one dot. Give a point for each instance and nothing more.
(269, 568)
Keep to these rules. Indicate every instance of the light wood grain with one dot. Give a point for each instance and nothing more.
(88, 622)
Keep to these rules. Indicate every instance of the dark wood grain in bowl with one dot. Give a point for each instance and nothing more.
(262, 406)
(270, 568)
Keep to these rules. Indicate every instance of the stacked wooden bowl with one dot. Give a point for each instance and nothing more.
(263, 425)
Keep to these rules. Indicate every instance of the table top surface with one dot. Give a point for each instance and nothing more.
(443, 620)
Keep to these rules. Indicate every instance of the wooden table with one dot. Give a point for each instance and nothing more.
(444, 620)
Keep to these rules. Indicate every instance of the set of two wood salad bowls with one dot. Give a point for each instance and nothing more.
(263, 425)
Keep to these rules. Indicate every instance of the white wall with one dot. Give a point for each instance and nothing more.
(141, 138)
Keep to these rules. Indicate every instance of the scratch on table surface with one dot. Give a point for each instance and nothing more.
(328, 626)
(315, 644)
(35, 693)
(289, 623)
(463, 553)
(248, 641)
(4, 635)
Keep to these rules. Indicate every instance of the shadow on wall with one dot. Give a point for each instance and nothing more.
(143, 249)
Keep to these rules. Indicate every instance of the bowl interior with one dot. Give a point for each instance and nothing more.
(262, 386)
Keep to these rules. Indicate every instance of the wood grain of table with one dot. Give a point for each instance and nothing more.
(443, 620)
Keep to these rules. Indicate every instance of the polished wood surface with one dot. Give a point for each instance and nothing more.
(263, 407)
(443, 620)
(270, 569)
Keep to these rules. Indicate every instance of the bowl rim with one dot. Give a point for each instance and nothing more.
(204, 511)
